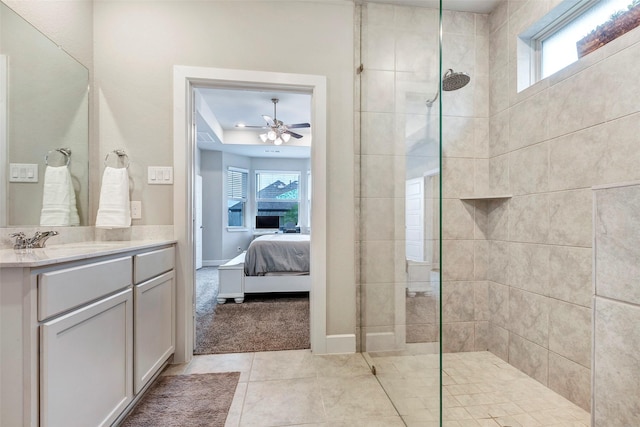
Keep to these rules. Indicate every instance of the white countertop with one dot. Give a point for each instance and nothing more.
(54, 254)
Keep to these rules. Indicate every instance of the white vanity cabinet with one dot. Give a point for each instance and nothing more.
(82, 335)
(86, 354)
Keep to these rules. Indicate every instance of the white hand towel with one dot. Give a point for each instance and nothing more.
(114, 210)
(58, 198)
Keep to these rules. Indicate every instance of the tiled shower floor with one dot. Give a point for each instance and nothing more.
(480, 389)
(296, 388)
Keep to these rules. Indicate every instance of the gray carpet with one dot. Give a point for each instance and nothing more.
(198, 400)
(264, 322)
(206, 294)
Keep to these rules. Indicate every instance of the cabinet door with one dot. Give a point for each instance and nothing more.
(86, 364)
(154, 327)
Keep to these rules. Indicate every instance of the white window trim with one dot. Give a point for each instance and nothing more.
(530, 66)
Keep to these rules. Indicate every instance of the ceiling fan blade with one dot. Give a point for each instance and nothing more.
(299, 125)
(293, 134)
(269, 120)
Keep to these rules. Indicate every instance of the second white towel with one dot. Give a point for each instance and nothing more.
(114, 210)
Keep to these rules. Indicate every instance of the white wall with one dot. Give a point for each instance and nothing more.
(137, 43)
(212, 212)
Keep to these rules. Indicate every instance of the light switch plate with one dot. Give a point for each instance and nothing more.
(160, 175)
(23, 172)
(136, 209)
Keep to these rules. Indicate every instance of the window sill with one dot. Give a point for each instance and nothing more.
(237, 229)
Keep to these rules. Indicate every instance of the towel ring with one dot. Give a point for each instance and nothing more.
(121, 156)
(66, 152)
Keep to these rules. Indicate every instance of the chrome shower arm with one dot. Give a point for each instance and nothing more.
(431, 101)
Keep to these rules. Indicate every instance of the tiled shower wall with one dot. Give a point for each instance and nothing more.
(549, 144)
(616, 310)
(465, 152)
(399, 140)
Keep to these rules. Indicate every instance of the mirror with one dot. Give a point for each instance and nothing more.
(44, 107)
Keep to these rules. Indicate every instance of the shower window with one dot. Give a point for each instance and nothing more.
(556, 41)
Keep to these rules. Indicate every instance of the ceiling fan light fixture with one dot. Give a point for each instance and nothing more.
(278, 132)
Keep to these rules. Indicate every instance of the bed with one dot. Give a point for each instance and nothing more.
(272, 263)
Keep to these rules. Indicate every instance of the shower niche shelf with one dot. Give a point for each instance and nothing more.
(487, 197)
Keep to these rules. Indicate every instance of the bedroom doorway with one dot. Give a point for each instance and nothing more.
(254, 190)
(184, 218)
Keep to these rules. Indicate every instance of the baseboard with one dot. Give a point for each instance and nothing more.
(337, 344)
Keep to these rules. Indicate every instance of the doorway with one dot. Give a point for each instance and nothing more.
(185, 79)
(256, 197)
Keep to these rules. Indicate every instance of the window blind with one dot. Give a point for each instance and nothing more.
(237, 181)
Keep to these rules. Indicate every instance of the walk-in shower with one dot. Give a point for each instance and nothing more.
(451, 80)
(446, 293)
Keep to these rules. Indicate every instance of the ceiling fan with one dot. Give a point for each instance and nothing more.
(278, 132)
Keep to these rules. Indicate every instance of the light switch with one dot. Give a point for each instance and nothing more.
(23, 172)
(160, 175)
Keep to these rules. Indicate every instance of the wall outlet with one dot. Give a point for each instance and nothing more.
(136, 209)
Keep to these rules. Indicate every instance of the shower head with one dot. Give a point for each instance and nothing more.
(451, 81)
(454, 81)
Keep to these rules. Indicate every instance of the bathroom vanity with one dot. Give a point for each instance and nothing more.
(84, 328)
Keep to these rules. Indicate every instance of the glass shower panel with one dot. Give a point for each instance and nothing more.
(399, 200)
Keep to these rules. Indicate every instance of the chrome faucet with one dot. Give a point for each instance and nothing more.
(37, 241)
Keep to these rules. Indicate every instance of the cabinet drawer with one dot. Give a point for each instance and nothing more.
(153, 263)
(61, 290)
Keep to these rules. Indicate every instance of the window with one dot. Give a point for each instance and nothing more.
(552, 42)
(277, 195)
(237, 180)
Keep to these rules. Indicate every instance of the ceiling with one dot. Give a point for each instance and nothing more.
(222, 109)
(230, 107)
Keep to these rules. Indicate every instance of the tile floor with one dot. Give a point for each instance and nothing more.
(480, 389)
(295, 388)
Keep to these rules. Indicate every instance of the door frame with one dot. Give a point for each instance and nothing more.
(185, 78)
(4, 148)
